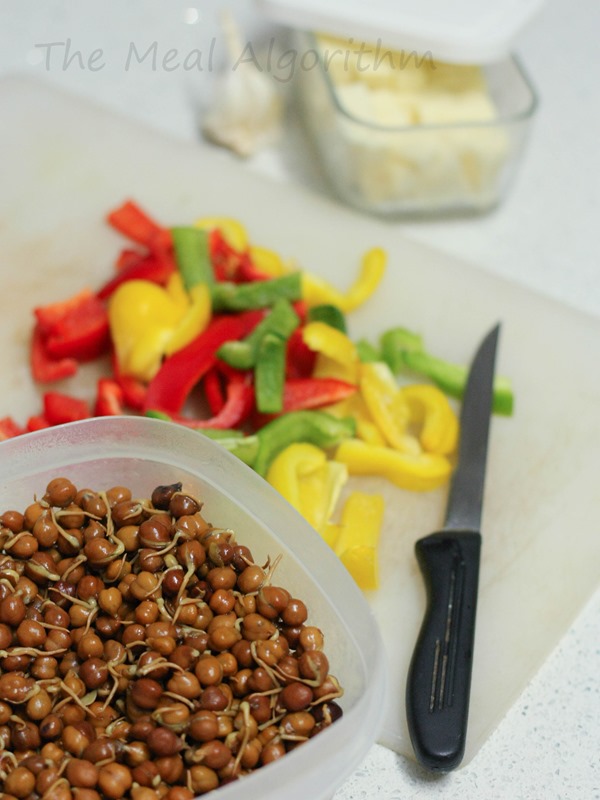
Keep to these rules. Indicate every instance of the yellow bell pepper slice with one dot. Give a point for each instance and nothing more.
(431, 410)
(359, 533)
(268, 261)
(177, 292)
(316, 290)
(302, 474)
(232, 231)
(194, 321)
(142, 317)
(337, 354)
(419, 473)
(355, 407)
(387, 406)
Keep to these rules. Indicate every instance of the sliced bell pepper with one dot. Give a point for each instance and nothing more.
(243, 446)
(132, 221)
(179, 373)
(134, 391)
(155, 267)
(387, 406)
(281, 320)
(300, 359)
(44, 368)
(337, 356)
(81, 333)
(230, 231)
(354, 406)
(230, 296)
(303, 393)
(330, 314)
(269, 373)
(192, 256)
(194, 320)
(404, 350)
(316, 290)
(422, 472)
(109, 398)
(213, 390)
(360, 530)
(431, 411)
(9, 428)
(315, 427)
(60, 408)
(302, 474)
(267, 261)
(37, 422)
(239, 400)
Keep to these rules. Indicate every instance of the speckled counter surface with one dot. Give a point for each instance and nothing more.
(545, 235)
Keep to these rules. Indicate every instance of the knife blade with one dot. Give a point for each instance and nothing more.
(439, 677)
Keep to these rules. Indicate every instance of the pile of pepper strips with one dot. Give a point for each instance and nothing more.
(199, 310)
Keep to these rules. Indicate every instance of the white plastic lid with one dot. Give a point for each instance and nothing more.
(463, 31)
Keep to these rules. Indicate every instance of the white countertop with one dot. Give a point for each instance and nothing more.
(546, 235)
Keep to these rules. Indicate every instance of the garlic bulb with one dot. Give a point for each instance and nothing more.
(247, 109)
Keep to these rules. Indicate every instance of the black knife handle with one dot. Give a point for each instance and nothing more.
(439, 677)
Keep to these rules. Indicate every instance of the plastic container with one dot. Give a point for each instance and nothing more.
(416, 168)
(142, 453)
(395, 130)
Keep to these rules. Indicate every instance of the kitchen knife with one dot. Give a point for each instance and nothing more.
(439, 676)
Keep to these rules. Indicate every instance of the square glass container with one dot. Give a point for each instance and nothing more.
(444, 166)
(142, 453)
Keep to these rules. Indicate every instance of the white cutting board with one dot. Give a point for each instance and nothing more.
(65, 163)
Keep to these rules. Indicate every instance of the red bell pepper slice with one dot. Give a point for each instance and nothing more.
(82, 333)
(300, 359)
(213, 390)
(239, 402)
(303, 393)
(9, 428)
(132, 221)
(109, 398)
(170, 387)
(49, 316)
(45, 369)
(60, 408)
(127, 257)
(37, 423)
(156, 267)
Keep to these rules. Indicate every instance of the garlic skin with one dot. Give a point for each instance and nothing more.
(247, 110)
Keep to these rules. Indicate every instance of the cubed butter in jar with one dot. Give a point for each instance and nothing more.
(402, 133)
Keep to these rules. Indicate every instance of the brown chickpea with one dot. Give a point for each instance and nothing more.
(272, 752)
(209, 670)
(110, 600)
(24, 547)
(93, 530)
(32, 512)
(297, 723)
(114, 780)
(89, 587)
(183, 505)
(15, 687)
(45, 530)
(117, 494)
(179, 793)
(170, 768)
(136, 752)
(239, 682)
(161, 495)
(271, 601)
(213, 698)
(51, 727)
(260, 680)
(39, 706)
(146, 693)
(60, 492)
(295, 696)
(202, 779)
(92, 503)
(25, 736)
(12, 610)
(5, 712)
(71, 516)
(175, 715)
(314, 665)
(130, 536)
(143, 793)
(89, 646)
(185, 684)
(203, 726)
(13, 520)
(222, 601)
(6, 636)
(85, 794)
(255, 626)
(94, 672)
(145, 773)
(81, 773)
(20, 782)
(164, 742)
(260, 708)
(127, 512)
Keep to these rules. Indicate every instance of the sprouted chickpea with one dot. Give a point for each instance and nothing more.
(143, 653)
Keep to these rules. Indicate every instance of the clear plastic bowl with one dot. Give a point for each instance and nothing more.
(142, 453)
(413, 169)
